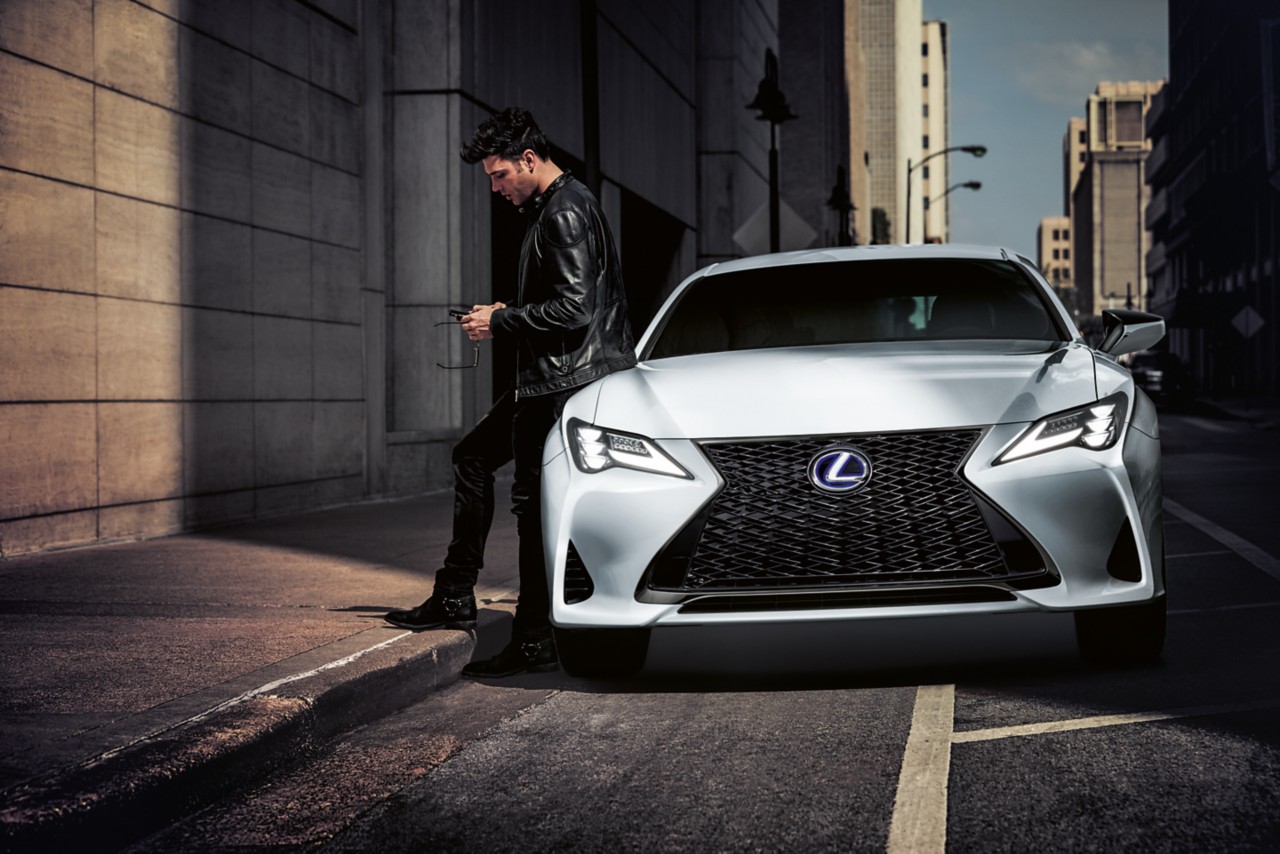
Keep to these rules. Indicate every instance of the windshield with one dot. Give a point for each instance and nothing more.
(855, 302)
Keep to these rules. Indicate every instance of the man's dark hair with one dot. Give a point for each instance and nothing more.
(508, 135)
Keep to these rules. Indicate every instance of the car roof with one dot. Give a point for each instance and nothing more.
(881, 252)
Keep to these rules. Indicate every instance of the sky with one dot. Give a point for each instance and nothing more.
(1019, 70)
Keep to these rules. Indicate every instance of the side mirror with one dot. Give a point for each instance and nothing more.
(1130, 331)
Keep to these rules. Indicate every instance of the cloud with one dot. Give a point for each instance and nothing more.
(1066, 73)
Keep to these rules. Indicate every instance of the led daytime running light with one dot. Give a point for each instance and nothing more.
(596, 449)
(1096, 427)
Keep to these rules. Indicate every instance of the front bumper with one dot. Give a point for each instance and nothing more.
(1075, 506)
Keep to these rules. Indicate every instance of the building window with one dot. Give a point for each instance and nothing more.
(925, 80)
(1066, 254)
(1057, 255)
(1083, 138)
(1055, 235)
(1082, 157)
(926, 173)
(925, 143)
(1066, 234)
(1057, 274)
(926, 204)
(925, 111)
(924, 48)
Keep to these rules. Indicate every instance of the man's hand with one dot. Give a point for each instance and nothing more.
(476, 324)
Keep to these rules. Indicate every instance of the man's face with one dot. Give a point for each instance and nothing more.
(514, 179)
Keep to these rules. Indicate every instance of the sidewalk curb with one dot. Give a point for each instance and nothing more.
(125, 794)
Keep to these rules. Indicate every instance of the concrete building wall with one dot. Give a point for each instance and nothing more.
(935, 176)
(811, 56)
(1053, 255)
(181, 321)
(891, 46)
(859, 157)
(1110, 199)
(229, 227)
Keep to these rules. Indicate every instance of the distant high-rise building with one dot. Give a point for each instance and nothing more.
(859, 157)
(936, 116)
(1109, 238)
(1075, 146)
(1053, 254)
(890, 35)
(1214, 173)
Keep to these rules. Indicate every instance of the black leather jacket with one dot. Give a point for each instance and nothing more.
(570, 319)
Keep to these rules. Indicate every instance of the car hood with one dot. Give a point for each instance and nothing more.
(844, 389)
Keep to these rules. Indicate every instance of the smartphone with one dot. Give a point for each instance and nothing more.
(458, 313)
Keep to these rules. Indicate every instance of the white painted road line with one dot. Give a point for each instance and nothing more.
(1237, 544)
(919, 821)
(1097, 721)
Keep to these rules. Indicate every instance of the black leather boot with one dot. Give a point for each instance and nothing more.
(522, 655)
(438, 612)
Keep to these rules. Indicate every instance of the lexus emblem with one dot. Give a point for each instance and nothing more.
(840, 470)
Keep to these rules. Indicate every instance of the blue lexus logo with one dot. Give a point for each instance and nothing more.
(840, 470)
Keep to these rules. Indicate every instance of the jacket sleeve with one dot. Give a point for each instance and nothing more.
(567, 274)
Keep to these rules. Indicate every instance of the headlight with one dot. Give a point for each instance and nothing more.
(596, 449)
(1096, 427)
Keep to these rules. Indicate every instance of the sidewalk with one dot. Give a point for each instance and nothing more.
(142, 679)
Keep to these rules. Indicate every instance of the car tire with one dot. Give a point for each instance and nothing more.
(1129, 634)
(602, 652)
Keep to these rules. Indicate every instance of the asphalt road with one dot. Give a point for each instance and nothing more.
(930, 735)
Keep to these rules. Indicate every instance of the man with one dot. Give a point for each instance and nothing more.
(570, 327)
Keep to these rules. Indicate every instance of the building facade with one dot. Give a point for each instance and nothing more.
(1109, 236)
(228, 229)
(1214, 174)
(1053, 255)
(890, 31)
(935, 114)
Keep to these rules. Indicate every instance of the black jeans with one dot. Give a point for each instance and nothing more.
(512, 429)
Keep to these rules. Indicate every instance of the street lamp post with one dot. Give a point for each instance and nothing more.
(975, 150)
(965, 185)
(842, 203)
(774, 109)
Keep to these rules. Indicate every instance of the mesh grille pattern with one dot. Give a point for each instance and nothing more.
(914, 521)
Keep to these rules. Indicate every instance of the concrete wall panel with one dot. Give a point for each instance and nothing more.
(217, 171)
(339, 438)
(335, 206)
(335, 130)
(47, 347)
(420, 200)
(217, 446)
(281, 36)
(139, 452)
(282, 367)
(283, 442)
(221, 92)
(58, 33)
(217, 355)
(138, 249)
(139, 351)
(339, 361)
(46, 232)
(281, 109)
(148, 519)
(222, 19)
(281, 274)
(50, 459)
(217, 263)
(37, 533)
(137, 148)
(46, 121)
(426, 44)
(135, 50)
(335, 284)
(281, 190)
(335, 60)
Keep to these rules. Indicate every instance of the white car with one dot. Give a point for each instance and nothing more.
(886, 431)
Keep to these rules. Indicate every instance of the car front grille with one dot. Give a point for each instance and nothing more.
(769, 527)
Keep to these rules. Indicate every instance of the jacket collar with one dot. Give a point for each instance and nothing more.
(535, 204)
